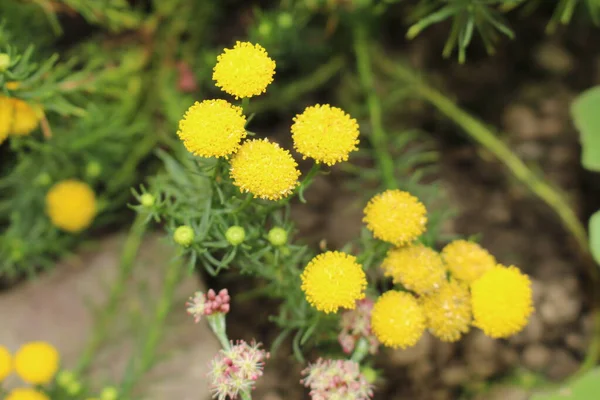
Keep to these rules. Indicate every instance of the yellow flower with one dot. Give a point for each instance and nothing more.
(5, 118)
(264, 169)
(417, 267)
(37, 362)
(467, 261)
(396, 217)
(325, 133)
(25, 118)
(213, 128)
(397, 319)
(502, 301)
(71, 205)
(26, 394)
(448, 311)
(6, 363)
(333, 280)
(244, 71)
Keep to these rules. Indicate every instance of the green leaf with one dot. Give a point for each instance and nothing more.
(595, 235)
(583, 388)
(586, 115)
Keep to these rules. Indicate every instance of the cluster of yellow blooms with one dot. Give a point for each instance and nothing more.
(217, 128)
(445, 293)
(71, 205)
(36, 363)
(17, 117)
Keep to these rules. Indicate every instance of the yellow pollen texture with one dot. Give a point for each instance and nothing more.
(417, 267)
(397, 319)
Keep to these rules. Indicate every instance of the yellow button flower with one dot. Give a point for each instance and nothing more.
(397, 319)
(416, 267)
(333, 280)
(25, 118)
(37, 362)
(71, 205)
(244, 71)
(448, 311)
(325, 133)
(467, 261)
(264, 169)
(6, 363)
(5, 118)
(502, 301)
(26, 394)
(396, 217)
(213, 128)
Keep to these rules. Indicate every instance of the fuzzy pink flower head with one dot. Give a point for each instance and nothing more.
(336, 379)
(237, 369)
(208, 304)
(355, 324)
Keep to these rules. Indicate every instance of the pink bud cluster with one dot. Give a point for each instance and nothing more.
(236, 369)
(336, 379)
(356, 324)
(208, 304)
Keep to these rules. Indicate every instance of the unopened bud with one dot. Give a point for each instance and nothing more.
(93, 169)
(277, 236)
(235, 235)
(184, 235)
(4, 62)
(147, 200)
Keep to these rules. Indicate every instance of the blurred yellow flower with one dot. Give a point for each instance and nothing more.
(6, 363)
(397, 319)
(416, 267)
(502, 301)
(448, 311)
(71, 205)
(325, 133)
(26, 394)
(467, 261)
(244, 71)
(396, 217)
(213, 128)
(17, 117)
(264, 169)
(333, 280)
(37, 362)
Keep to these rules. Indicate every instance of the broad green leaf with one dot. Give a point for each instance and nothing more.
(586, 114)
(586, 387)
(595, 235)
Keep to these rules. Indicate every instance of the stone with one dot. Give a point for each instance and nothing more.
(536, 357)
(562, 364)
(521, 121)
(58, 305)
(560, 306)
(410, 355)
(455, 375)
(554, 58)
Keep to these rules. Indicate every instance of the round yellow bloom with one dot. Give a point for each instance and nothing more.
(244, 71)
(6, 112)
(333, 280)
(25, 118)
(71, 205)
(397, 319)
(467, 261)
(264, 169)
(26, 394)
(213, 128)
(502, 301)
(6, 363)
(37, 362)
(417, 267)
(396, 217)
(448, 311)
(325, 133)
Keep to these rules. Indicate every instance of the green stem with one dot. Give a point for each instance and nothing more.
(378, 136)
(361, 350)
(101, 325)
(307, 181)
(218, 325)
(246, 395)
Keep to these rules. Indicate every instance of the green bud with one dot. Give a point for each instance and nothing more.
(285, 20)
(265, 28)
(43, 179)
(147, 200)
(184, 235)
(65, 378)
(109, 393)
(73, 388)
(277, 236)
(93, 169)
(235, 235)
(4, 62)
(369, 373)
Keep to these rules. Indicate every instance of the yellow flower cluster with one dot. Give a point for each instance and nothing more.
(333, 280)
(17, 117)
(217, 128)
(36, 363)
(71, 205)
(452, 291)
